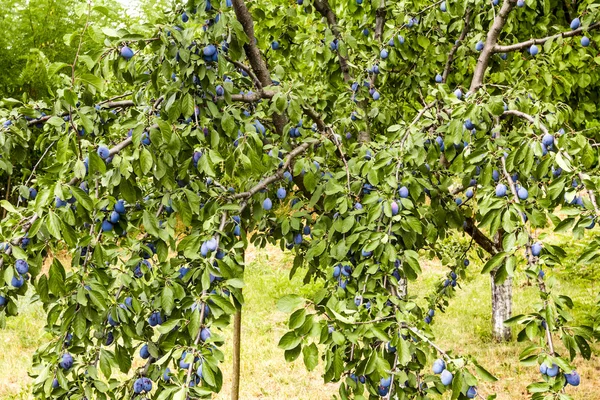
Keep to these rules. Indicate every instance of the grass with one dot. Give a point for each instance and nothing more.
(463, 329)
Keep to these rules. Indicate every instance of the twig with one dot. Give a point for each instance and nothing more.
(458, 43)
(87, 24)
(380, 20)
(527, 117)
(38, 162)
(248, 71)
(115, 98)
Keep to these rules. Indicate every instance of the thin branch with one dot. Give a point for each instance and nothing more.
(527, 117)
(106, 104)
(531, 42)
(217, 237)
(248, 71)
(458, 43)
(38, 162)
(414, 121)
(7, 195)
(391, 389)
(511, 183)
(343, 156)
(115, 98)
(591, 194)
(87, 24)
(312, 114)
(373, 321)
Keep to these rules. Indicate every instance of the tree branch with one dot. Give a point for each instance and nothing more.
(479, 237)
(527, 117)
(254, 97)
(312, 114)
(414, 121)
(530, 42)
(458, 43)
(248, 71)
(322, 6)
(590, 193)
(380, 20)
(490, 44)
(254, 57)
(275, 177)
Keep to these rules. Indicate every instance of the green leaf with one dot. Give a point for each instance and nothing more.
(146, 161)
(167, 300)
(484, 374)
(53, 225)
(150, 223)
(289, 341)
(289, 303)
(493, 262)
(311, 356)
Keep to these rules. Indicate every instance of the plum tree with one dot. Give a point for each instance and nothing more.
(186, 144)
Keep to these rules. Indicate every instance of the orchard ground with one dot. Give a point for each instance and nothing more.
(464, 329)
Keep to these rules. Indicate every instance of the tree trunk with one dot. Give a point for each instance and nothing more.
(237, 335)
(501, 309)
(402, 288)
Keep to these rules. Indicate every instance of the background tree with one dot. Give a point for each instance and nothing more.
(355, 135)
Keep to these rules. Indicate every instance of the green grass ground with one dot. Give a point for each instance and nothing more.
(465, 328)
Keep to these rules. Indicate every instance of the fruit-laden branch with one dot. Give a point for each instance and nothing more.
(458, 43)
(380, 20)
(275, 177)
(105, 104)
(217, 237)
(531, 42)
(530, 260)
(544, 129)
(254, 57)
(322, 6)
(490, 44)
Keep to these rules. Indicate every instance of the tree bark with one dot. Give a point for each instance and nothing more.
(402, 288)
(501, 308)
(237, 335)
